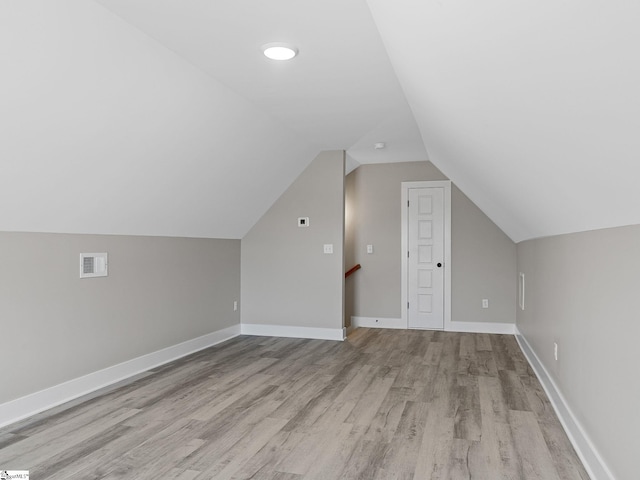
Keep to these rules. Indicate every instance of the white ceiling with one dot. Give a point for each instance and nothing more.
(158, 117)
(532, 108)
(340, 90)
(106, 131)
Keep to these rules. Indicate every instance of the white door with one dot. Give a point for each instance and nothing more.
(425, 262)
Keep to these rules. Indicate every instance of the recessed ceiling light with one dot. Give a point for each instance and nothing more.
(279, 51)
(379, 145)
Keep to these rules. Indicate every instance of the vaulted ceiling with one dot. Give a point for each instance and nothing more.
(531, 107)
(162, 117)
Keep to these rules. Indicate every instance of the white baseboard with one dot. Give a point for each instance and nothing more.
(466, 327)
(378, 322)
(481, 327)
(593, 462)
(20, 408)
(293, 332)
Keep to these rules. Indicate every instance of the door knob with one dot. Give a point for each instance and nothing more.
(439, 265)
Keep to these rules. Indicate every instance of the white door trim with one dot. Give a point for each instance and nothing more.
(446, 184)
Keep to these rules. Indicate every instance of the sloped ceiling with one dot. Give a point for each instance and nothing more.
(340, 87)
(164, 118)
(106, 131)
(161, 117)
(532, 108)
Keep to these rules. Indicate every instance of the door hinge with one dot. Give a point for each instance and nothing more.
(407, 203)
(407, 305)
(407, 253)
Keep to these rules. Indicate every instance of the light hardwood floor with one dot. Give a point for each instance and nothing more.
(385, 404)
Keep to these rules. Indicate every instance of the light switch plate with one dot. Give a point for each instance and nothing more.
(328, 248)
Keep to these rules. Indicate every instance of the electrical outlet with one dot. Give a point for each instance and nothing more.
(369, 248)
(485, 303)
(328, 248)
(555, 351)
(235, 306)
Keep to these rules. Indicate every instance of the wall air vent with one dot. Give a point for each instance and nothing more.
(93, 265)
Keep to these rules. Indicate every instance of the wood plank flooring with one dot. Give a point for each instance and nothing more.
(385, 404)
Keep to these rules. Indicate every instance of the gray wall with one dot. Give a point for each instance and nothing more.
(483, 265)
(160, 291)
(581, 292)
(286, 277)
(483, 257)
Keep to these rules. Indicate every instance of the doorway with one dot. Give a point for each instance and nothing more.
(426, 254)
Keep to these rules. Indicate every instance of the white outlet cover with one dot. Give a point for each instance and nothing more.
(369, 248)
(328, 248)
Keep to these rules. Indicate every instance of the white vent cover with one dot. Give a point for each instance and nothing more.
(93, 265)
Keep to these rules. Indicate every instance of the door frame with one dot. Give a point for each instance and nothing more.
(404, 287)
